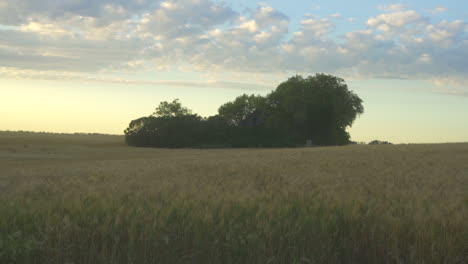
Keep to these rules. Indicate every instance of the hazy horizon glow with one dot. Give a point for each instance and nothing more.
(93, 66)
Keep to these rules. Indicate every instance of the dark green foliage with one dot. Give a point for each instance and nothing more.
(173, 109)
(165, 131)
(318, 108)
(379, 142)
(242, 108)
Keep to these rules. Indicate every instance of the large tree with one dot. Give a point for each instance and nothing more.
(319, 108)
(171, 125)
(241, 108)
(171, 109)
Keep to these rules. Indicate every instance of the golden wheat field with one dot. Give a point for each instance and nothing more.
(91, 199)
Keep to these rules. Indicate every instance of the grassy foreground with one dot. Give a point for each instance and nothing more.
(90, 199)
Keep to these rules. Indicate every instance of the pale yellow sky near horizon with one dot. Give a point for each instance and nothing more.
(397, 115)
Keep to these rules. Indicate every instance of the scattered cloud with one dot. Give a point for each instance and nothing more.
(183, 18)
(392, 8)
(85, 38)
(16, 12)
(439, 9)
(336, 15)
(395, 20)
(315, 27)
(17, 73)
(425, 58)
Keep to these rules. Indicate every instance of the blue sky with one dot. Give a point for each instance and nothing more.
(92, 66)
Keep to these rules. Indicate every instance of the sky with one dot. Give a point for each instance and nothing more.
(95, 65)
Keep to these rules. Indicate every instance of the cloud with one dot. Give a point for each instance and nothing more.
(16, 12)
(316, 27)
(392, 8)
(40, 51)
(17, 73)
(447, 33)
(111, 36)
(439, 9)
(336, 15)
(174, 19)
(395, 20)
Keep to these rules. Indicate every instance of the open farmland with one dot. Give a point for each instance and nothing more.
(91, 199)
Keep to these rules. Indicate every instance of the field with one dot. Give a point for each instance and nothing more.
(91, 199)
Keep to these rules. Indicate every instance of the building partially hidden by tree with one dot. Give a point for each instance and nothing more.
(317, 110)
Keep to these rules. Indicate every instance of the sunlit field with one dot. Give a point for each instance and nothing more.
(91, 199)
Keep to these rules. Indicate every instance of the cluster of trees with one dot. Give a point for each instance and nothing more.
(317, 109)
(379, 142)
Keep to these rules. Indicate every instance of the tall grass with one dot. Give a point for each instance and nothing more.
(85, 203)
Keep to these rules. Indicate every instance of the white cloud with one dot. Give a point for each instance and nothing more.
(446, 33)
(425, 58)
(112, 36)
(392, 8)
(266, 15)
(396, 20)
(439, 9)
(169, 5)
(15, 12)
(49, 29)
(182, 18)
(316, 27)
(17, 73)
(250, 26)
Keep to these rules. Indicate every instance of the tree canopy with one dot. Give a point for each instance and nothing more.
(241, 108)
(173, 109)
(317, 109)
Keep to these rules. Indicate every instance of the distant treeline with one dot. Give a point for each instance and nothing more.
(56, 133)
(315, 111)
